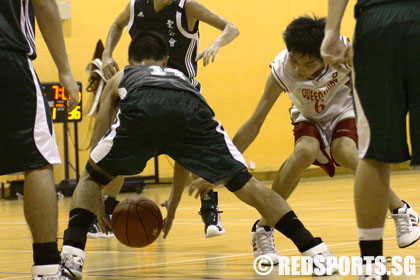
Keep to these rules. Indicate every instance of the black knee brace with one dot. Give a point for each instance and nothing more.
(238, 181)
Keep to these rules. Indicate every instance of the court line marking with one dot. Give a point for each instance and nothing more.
(205, 259)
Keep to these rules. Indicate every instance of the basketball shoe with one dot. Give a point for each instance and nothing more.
(50, 272)
(407, 225)
(96, 232)
(73, 259)
(210, 215)
(372, 275)
(262, 239)
(322, 250)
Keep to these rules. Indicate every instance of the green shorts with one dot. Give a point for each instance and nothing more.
(156, 121)
(26, 131)
(387, 70)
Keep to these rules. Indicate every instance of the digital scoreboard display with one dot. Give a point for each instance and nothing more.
(57, 99)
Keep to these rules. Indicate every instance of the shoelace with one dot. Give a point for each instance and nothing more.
(210, 215)
(403, 223)
(327, 254)
(67, 272)
(265, 242)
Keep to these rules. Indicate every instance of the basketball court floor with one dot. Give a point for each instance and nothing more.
(324, 205)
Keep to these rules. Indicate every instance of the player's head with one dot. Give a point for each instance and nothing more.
(303, 38)
(148, 48)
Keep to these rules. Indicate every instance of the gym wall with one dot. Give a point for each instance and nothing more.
(232, 85)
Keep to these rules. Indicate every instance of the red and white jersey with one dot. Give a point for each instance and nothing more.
(320, 99)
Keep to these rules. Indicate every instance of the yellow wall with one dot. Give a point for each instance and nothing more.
(232, 85)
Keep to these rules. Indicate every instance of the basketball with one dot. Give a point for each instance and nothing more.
(137, 221)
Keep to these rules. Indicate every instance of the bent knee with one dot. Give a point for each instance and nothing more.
(344, 151)
(306, 149)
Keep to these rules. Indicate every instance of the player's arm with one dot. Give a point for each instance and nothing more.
(250, 129)
(109, 65)
(181, 176)
(333, 50)
(196, 11)
(108, 107)
(49, 22)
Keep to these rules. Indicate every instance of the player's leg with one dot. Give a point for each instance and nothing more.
(413, 84)
(291, 171)
(307, 147)
(287, 178)
(82, 214)
(344, 152)
(211, 155)
(41, 213)
(210, 213)
(27, 144)
(121, 151)
(381, 108)
(39, 186)
(371, 204)
(110, 193)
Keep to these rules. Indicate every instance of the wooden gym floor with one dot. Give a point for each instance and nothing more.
(324, 205)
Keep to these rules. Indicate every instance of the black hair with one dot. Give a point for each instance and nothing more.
(304, 35)
(148, 45)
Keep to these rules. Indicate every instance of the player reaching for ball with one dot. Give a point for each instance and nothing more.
(178, 22)
(323, 117)
(161, 112)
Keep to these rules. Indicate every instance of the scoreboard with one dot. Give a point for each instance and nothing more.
(57, 101)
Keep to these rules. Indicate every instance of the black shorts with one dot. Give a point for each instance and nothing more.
(157, 121)
(26, 132)
(387, 69)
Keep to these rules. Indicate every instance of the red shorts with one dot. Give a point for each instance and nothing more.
(345, 128)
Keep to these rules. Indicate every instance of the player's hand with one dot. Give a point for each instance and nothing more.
(109, 67)
(335, 52)
(103, 221)
(72, 88)
(167, 222)
(200, 186)
(208, 54)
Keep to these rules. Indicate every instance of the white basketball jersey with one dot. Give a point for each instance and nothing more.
(320, 99)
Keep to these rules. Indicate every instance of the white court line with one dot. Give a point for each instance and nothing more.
(206, 259)
(175, 262)
(16, 277)
(166, 263)
(176, 253)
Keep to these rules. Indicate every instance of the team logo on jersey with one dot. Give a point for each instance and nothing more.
(170, 24)
(140, 14)
(172, 42)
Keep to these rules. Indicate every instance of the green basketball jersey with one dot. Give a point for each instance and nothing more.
(171, 23)
(137, 77)
(17, 22)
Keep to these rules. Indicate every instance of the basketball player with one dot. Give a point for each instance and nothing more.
(161, 112)
(177, 21)
(387, 77)
(27, 142)
(323, 117)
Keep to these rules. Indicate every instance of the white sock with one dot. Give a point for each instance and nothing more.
(367, 234)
